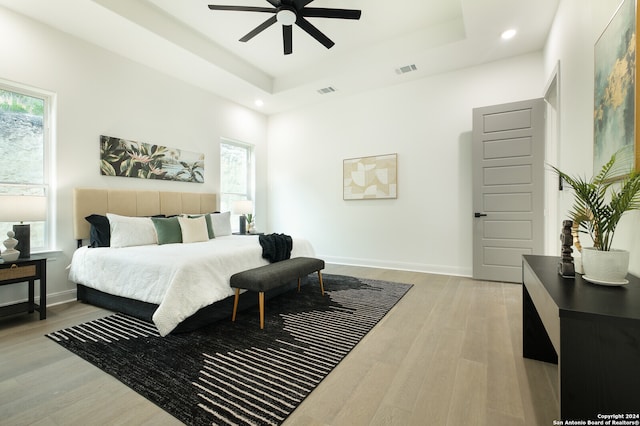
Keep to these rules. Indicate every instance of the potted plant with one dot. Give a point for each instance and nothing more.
(250, 224)
(599, 205)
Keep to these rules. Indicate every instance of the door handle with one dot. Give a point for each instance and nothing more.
(476, 214)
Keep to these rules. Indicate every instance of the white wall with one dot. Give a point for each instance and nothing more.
(99, 92)
(577, 26)
(428, 123)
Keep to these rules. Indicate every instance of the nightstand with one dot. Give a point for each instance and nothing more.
(26, 271)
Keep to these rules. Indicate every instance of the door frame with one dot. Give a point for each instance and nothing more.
(551, 155)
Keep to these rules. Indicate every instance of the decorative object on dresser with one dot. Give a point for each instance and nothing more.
(566, 267)
(23, 208)
(599, 205)
(244, 208)
(236, 373)
(10, 254)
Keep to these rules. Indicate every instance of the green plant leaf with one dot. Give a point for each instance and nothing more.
(600, 202)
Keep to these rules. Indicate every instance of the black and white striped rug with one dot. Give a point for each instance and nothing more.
(234, 373)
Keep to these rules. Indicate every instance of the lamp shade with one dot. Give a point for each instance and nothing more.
(243, 207)
(22, 208)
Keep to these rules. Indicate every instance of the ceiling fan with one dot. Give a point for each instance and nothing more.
(289, 12)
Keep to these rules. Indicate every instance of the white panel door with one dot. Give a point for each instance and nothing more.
(508, 188)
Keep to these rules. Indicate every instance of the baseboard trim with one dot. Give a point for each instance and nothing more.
(52, 298)
(401, 266)
(61, 297)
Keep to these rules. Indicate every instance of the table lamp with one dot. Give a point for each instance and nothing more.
(23, 208)
(242, 208)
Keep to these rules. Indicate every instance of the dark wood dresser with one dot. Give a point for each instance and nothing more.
(591, 331)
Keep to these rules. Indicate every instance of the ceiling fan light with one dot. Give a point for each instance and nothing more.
(286, 16)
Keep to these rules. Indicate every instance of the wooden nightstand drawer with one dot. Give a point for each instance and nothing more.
(14, 272)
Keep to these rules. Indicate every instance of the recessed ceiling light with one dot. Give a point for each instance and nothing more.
(508, 34)
(259, 102)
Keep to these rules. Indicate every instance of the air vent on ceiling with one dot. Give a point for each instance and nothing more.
(406, 69)
(326, 90)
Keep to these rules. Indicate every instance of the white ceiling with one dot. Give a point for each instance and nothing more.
(185, 39)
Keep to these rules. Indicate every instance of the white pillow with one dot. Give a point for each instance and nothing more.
(221, 223)
(131, 231)
(193, 229)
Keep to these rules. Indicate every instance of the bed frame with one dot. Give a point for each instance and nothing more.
(87, 201)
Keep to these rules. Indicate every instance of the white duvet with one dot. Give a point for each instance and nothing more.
(180, 278)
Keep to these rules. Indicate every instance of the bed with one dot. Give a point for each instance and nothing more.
(178, 286)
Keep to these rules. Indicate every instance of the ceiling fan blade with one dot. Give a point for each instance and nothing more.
(321, 12)
(287, 39)
(314, 32)
(243, 8)
(275, 3)
(260, 28)
(301, 3)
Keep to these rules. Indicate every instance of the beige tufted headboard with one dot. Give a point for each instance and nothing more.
(124, 202)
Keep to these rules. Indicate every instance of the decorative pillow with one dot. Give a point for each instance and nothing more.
(221, 223)
(207, 218)
(131, 231)
(193, 229)
(99, 235)
(168, 230)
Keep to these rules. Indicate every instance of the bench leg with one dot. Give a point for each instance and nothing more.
(261, 303)
(235, 304)
(319, 278)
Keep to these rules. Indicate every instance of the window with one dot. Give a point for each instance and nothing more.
(236, 174)
(24, 147)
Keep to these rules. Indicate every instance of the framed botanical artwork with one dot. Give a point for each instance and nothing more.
(374, 177)
(122, 157)
(616, 89)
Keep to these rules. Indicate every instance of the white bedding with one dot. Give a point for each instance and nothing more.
(180, 278)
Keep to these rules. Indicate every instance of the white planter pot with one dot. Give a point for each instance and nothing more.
(606, 266)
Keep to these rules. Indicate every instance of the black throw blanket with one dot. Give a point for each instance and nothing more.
(276, 247)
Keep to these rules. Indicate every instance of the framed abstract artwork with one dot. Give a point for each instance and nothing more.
(366, 178)
(616, 90)
(122, 157)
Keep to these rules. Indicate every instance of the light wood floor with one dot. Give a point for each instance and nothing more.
(449, 353)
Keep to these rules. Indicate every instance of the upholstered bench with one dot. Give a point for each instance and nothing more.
(273, 275)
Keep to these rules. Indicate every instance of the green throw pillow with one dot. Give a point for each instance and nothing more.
(168, 230)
